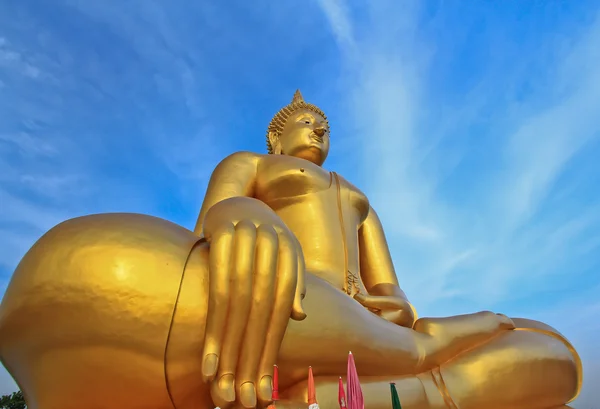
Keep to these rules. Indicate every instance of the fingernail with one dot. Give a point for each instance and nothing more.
(226, 387)
(209, 366)
(248, 395)
(266, 388)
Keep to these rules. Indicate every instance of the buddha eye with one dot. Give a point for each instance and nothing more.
(307, 122)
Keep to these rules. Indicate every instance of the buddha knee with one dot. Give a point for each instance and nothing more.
(94, 292)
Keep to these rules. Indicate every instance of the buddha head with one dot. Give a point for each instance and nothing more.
(301, 130)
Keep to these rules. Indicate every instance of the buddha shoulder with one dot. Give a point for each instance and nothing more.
(238, 163)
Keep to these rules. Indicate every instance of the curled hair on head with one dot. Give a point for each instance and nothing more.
(278, 122)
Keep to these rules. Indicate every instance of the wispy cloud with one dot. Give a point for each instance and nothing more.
(337, 14)
(81, 129)
(485, 185)
(492, 231)
(9, 57)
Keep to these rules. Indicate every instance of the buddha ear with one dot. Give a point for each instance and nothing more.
(275, 143)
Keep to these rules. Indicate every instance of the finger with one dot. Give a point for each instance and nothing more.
(263, 298)
(218, 299)
(287, 278)
(298, 312)
(241, 272)
(379, 302)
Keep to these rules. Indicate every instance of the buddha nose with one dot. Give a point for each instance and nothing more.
(319, 130)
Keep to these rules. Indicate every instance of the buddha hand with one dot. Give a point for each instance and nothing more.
(391, 308)
(256, 274)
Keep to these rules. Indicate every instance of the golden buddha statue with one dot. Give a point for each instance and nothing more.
(287, 264)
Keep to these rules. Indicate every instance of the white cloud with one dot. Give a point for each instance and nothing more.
(337, 14)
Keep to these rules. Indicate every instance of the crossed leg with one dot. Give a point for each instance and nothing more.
(336, 324)
(518, 369)
(474, 361)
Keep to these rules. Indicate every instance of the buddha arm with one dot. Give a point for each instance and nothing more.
(234, 176)
(377, 269)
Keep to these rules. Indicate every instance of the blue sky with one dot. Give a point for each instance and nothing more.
(473, 128)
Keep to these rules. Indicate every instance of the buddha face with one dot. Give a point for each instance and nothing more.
(305, 135)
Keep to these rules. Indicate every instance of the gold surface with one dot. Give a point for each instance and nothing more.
(287, 264)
